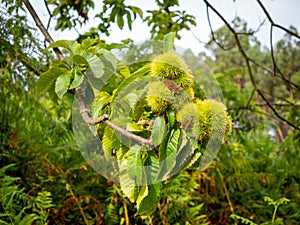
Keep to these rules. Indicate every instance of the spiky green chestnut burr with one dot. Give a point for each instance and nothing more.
(213, 119)
(190, 92)
(185, 81)
(182, 98)
(189, 119)
(168, 65)
(159, 97)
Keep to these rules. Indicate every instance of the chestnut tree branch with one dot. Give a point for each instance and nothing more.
(84, 111)
(40, 25)
(86, 116)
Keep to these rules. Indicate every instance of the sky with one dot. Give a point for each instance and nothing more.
(283, 12)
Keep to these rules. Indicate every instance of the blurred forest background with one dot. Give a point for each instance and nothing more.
(255, 178)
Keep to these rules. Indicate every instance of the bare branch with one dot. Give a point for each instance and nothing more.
(50, 14)
(212, 31)
(247, 59)
(254, 31)
(49, 20)
(40, 25)
(279, 74)
(275, 24)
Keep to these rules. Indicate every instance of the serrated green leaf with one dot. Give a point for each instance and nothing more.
(129, 20)
(110, 143)
(115, 11)
(47, 79)
(131, 172)
(111, 58)
(143, 193)
(139, 73)
(159, 130)
(78, 78)
(184, 154)
(169, 41)
(148, 198)
(136, 10)
(62, 84)
(135, 163)
(86, 43)
(168, 154)
(95, 64)
(79, 60)
(71, 46)
(100, 101)
(121, 153)
(133, 127)
(123, 69)
(171, 118)
(128, 185)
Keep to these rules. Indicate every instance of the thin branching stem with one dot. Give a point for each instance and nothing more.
(248, 61)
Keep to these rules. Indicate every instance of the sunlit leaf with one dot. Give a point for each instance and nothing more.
(95, 64)
(62, 84)
(169, 41)
(79, 60)
(71, 46)
(78, 78)
(159, 130)
(48, 78)
(148, 198)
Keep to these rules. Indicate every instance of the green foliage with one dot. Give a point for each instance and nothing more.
(66, 11)
(159, 130)
(26, 211)
(91, 60)
(164, 20)
(243, 220)
(118, 11)
(270, 201)
(45, 180)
